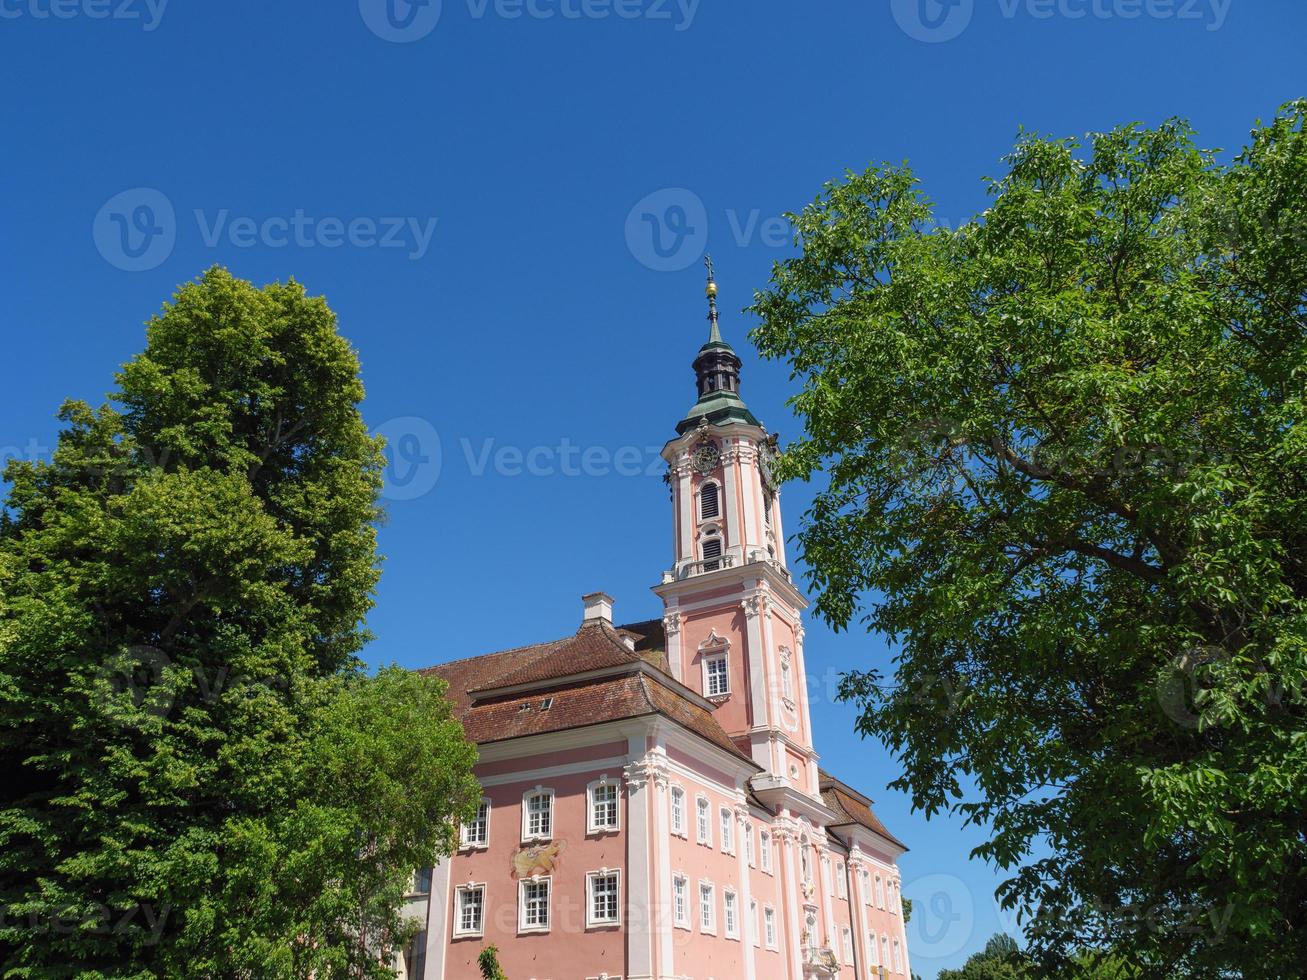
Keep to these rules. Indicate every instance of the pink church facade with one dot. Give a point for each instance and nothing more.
(653, 805)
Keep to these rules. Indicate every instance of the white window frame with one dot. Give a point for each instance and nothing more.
(884, 951)
(710, 890)
(827, 884)
(753, 922)
(841, 881)
(873, 957)
(681, 916)
(591, 825)
(730, 910)
(710, 659)
(590, 879)
(769, 926)
(703, 820)
(880, 892)
(679, 826)
(699, 501)
(898, 956)
(727, 819)
(459, 892)
(846, 944)
(526, 813)
(548, 882)
(748, 842)
(466, 842)
(764, 847)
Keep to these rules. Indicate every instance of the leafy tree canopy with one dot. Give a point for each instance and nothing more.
(201, 779)
(1063, 469)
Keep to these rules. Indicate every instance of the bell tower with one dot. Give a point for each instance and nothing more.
(731, 612)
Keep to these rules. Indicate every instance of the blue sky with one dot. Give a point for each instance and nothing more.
(506, 203)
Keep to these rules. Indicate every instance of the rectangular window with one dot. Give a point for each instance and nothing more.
(681, 900)
(873, 956)
(712, 554)
(898, 959)
(753, 922)
(748, 843)
(422, 881)
(533, 902)
(703, 821)
(605, 898)
(477, 832)
(847, 936)
(730, 916)
(764, 844)
(728, 831)
(880, 893)
(884, 951)
(769, 926)
(678, 811)
(470, 910)
(539, 815)
(603, 806)
(715, 673)
(707, 908)
(841, 881)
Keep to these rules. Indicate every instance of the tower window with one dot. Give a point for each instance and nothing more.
(709, 501)
(716, 679)
(712, 554)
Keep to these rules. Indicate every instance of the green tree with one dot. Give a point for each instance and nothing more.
(488, 962)
(1064, 470)
(1001, 959)
(203, 780)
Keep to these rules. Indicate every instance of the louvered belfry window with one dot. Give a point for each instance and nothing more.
(709, 502)
(712, 553)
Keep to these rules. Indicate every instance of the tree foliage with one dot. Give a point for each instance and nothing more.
(202, 779)
(1064, 471)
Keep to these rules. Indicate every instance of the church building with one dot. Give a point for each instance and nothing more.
(654, 806)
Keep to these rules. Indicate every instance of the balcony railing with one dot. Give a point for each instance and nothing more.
(690, 569)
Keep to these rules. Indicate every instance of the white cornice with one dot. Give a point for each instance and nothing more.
(735, 575)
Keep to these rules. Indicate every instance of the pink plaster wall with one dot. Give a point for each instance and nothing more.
(569, 948)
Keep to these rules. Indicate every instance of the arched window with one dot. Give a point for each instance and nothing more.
(709, 501)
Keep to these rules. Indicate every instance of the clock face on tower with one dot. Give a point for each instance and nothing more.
(705, 457)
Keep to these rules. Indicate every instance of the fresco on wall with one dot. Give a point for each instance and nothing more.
(540, 859)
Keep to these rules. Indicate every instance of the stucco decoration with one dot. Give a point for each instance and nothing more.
(539, 859)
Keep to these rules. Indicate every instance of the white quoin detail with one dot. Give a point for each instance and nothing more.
(598, 607)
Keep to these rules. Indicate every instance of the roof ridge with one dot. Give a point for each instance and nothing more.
(496, 653)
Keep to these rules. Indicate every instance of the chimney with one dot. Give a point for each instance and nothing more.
(598, 608)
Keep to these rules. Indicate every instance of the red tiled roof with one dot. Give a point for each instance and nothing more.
(595, 646)
(851, 805)
(575, 701)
